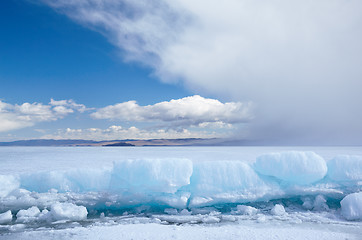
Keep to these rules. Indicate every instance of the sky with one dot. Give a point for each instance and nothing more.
(270, 72)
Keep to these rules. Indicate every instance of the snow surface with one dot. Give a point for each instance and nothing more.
(194, 232)
(208, 187)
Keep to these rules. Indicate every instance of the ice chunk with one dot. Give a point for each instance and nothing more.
(205, 210)
(300, 168)
(8, 183)
(225, 181)
(151, 175)
(320, 203)
(278, 210)
(261, 218)
(6, 217)
(210, 219)
(28, 215)
(171, 211)
(307, 203)
(228, 218)
(246, 210)
(352, 206)
(345, 168)
(185, 212)
(68, 211)
(45, 216)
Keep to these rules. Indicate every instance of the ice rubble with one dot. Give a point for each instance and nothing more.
(58, 212)
(180, 184)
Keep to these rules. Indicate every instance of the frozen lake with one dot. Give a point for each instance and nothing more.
(184, 192)
(25, 159)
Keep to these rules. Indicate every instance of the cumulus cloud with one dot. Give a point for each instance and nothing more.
(299, 61)
(189, 117)
(188, 111)
(16, 116)
(67, 106)
(115, 132)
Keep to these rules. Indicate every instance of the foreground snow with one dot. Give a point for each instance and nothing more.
(246, 230)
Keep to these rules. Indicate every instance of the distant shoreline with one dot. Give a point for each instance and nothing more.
(180, 142)
(113, 143)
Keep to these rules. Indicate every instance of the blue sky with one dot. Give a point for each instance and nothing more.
(45, 56)
(272, 72)
(50, 56)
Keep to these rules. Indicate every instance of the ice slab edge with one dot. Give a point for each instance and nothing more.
(181, 183)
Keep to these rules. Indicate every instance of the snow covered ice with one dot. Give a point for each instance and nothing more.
(345, 168)
(96, 187)
(352, 206)
(6, 217)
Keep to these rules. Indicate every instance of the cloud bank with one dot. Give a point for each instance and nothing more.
(188, 111)
(13, 117)
(299, 61)
(189, 117)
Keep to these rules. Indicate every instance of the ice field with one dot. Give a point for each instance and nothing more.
(181, 192)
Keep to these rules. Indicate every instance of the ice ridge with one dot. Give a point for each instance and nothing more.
(182, 183)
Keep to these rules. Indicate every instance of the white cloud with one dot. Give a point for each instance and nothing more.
(298, 60)
(16, 116)
(188, 111)
(67, 106)
(189, 117)
(118, 133)
(215, 125)
(140, 27)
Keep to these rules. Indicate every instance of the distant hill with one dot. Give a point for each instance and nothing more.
(119, 143)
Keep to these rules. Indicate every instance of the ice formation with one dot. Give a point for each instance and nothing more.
(181, 187)
(151, 175)
(225, 181)
(292, 167)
